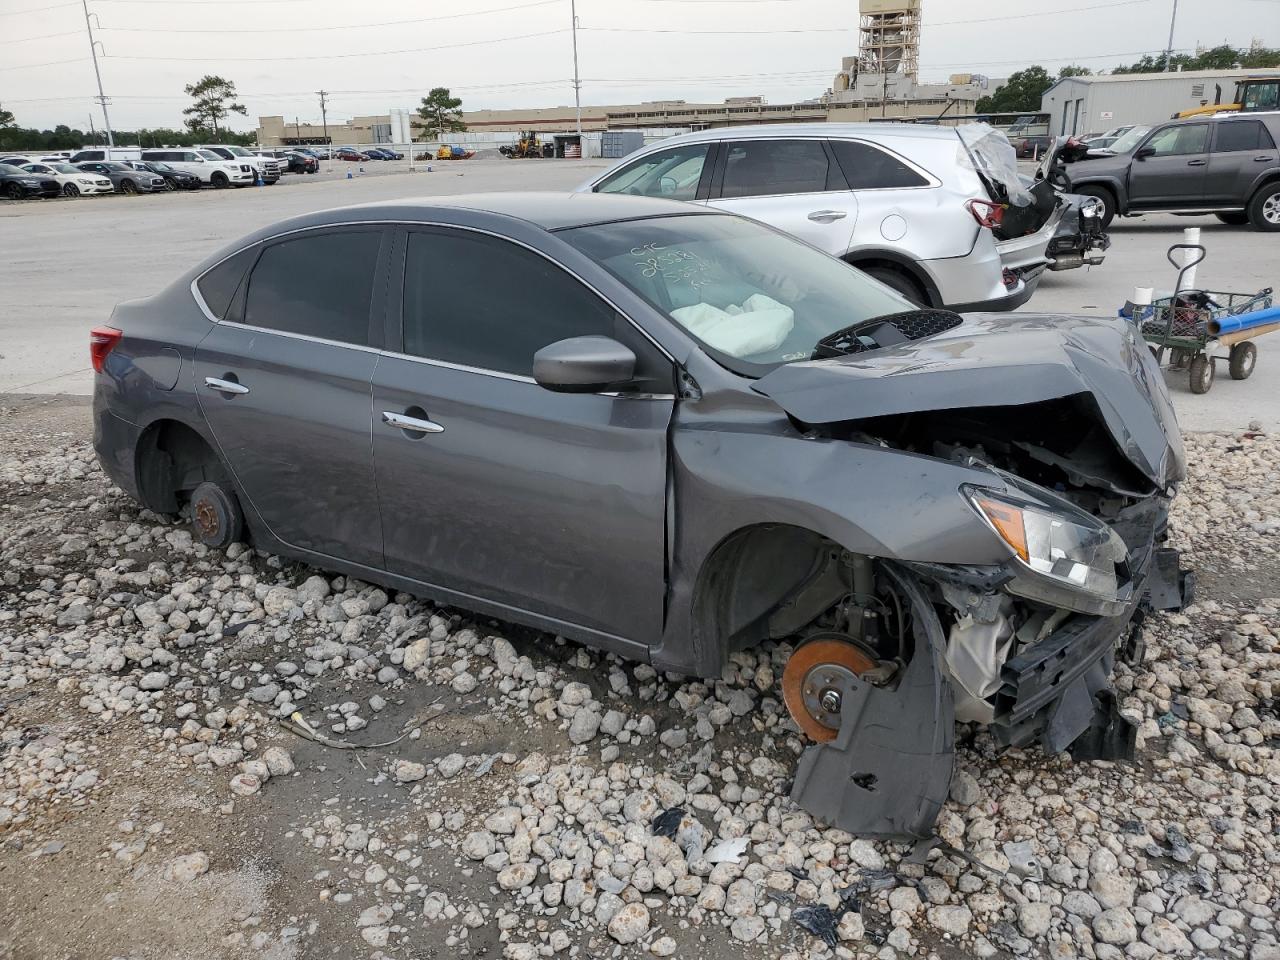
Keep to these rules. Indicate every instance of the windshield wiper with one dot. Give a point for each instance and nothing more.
(876, 333)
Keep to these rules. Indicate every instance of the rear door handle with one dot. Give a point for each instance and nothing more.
(827, 216)
(229, 387)
(1196, 163)
(412, 424)
(1263, 159)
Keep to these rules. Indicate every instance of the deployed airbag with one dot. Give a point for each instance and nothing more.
(759, 325)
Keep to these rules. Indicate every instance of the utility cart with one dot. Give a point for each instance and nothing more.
(1190, 327)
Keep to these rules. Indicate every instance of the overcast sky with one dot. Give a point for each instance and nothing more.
(376, 54)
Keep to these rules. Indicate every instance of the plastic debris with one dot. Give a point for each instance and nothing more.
(684, 830)
(667, 822)
(728, 851)
(819, 921)
(1022, 860)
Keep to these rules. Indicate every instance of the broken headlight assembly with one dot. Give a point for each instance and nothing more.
(1062, 556)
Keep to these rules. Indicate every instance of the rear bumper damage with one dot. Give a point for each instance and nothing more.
(888, 772)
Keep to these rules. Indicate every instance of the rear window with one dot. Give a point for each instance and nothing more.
(218, 286)
(869, 168)
(1235, 135)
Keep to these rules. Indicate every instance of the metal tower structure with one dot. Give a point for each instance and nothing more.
(889, 37)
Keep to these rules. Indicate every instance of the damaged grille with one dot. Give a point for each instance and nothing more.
(881, 332)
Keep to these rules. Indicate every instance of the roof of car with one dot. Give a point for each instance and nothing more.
(551, 211)
(921, 131)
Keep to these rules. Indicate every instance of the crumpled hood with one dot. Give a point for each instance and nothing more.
(1000, 360)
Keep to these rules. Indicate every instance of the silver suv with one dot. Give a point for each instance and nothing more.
(914, 206)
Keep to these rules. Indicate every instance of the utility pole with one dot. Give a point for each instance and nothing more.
(1168, 51)
(324, 117)
(577, 85)
(102, 98)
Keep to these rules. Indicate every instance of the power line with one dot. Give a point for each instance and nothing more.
(47, 63)
(44, 36)
(1025, 16)
(726, 33)
(56, 6)
(345, 56)
(350, 26)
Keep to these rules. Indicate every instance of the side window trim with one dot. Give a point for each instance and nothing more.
(395, 337)
(709, 167)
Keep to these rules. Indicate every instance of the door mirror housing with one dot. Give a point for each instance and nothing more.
(583, 365)
(1144, 152)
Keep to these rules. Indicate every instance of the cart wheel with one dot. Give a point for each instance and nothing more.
(1201, 373)
(1244, 356)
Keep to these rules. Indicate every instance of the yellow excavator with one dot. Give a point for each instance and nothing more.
(526, 146)
(1253, 94)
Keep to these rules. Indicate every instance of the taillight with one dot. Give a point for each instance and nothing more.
(987, 214)
(102, 340)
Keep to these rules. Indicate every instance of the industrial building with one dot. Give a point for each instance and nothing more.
(1079, 105)
(878, 83)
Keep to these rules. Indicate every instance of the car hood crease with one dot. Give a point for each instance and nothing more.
(997, 360)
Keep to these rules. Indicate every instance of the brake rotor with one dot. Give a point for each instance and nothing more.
(813, 683)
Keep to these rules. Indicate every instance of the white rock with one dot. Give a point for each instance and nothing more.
(951, 919)
(409, 771)
(630, 923)
(186, 868)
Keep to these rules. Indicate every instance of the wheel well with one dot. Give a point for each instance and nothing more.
(762, 583)
(172, 460)
(896, 266)
(1270, 180)
(1099, 185)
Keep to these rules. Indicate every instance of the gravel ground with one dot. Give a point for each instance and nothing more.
(156, 803)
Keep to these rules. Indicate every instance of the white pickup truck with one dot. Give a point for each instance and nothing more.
(267, 167)
(213, 170)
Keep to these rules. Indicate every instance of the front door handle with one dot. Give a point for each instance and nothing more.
(411, 424)
(1263, 159)
(827, 216)
(229, 387)
(1196, 163)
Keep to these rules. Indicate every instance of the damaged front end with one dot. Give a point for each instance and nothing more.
(1078, 494)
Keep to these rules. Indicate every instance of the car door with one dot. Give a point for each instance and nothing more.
(284, 382)
(793, 184)
(503, 491)
(1238, 154)
(1168, 170)
(681, 172)
(893, 205)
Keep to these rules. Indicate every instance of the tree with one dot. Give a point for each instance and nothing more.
(1074, 70)
(6, 118)
(1222, 57)
(215, 98)
(1021, 93)
(440, 113)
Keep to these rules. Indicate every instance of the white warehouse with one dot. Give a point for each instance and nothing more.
(1077, 105)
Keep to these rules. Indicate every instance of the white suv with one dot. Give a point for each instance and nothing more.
(267, 167)
(917, 207)
(212, 169)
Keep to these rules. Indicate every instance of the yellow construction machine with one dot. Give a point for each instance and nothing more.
(1253, 95)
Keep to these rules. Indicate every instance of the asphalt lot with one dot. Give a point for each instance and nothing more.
(69, 262)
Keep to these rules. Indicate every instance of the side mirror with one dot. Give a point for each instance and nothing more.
(1144, 152)
(583, 365)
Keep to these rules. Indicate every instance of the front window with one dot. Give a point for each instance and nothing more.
(673, 174)
(1261, 96)
(755, 298)
(1179, 140)
(1129, 139)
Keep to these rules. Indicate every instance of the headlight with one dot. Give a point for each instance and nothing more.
(84, 180)
(1070, 559)
(1091, 207)
(31, 183)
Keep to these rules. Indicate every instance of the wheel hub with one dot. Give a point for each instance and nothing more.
(814, 680)
(206, 518)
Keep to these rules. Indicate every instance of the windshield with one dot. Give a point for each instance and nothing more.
(158, 165)
(209, 155)
(753, 297)
(114, 165)
(66, 168)
(10, 169)
(238, 151)
(1129, 139)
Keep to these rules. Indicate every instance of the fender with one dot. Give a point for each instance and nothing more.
(1118, 186)
(868, 499)
(912, 268)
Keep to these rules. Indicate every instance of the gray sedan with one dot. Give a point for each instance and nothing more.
(674, 433)
(125, 178)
